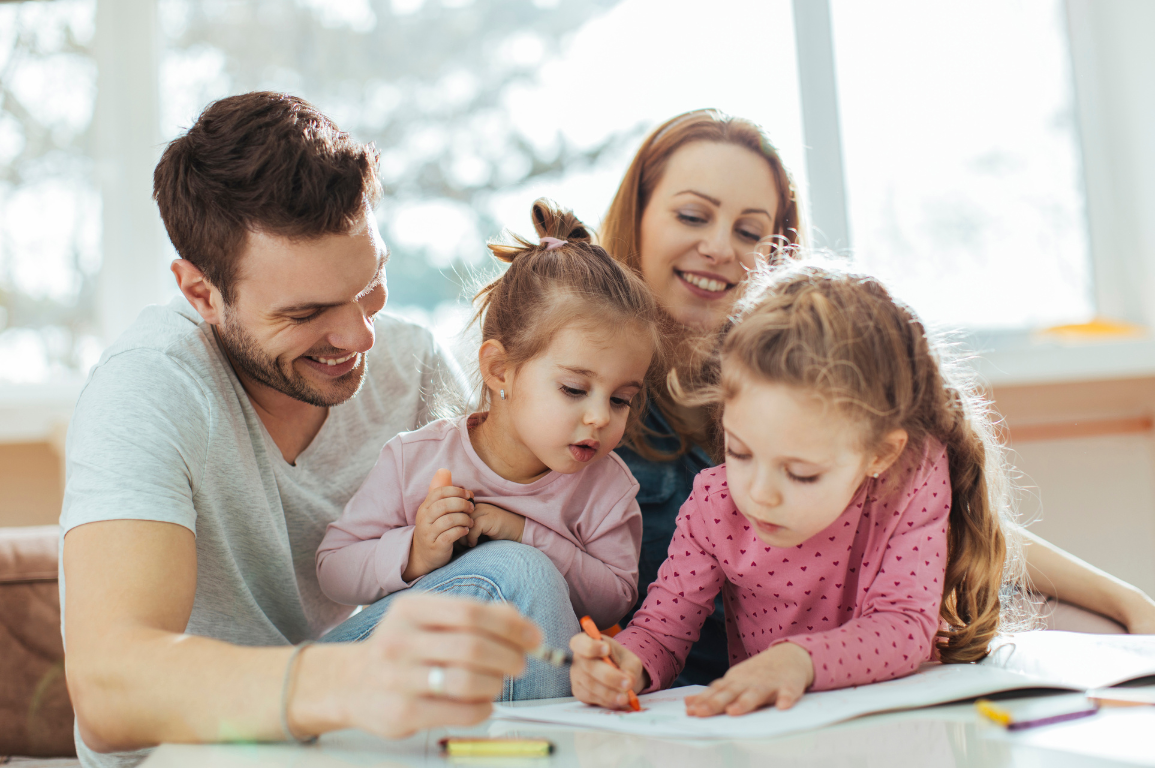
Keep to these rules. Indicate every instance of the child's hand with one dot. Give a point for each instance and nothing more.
(496, 523)
(596, 682)
(442, 519)
(778, 675)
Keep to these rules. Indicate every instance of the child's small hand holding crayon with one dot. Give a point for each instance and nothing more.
(442, 519)
(778, 675)
(496, 523)
(596, 682)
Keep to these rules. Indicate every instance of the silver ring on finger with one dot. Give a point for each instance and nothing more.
(437, 681)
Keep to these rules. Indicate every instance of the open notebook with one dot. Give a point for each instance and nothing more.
(1062, 660)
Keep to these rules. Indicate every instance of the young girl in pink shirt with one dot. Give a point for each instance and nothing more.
(567, 339)
(856, 528)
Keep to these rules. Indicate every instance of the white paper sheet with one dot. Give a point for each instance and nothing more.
(1026, 660)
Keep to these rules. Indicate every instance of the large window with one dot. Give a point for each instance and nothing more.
(962, 176)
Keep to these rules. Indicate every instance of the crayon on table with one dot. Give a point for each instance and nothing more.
(1007, 720)
(591, 629)
(483, 747)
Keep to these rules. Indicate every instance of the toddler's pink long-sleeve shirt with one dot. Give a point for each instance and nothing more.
(587, 523)
(862, 596)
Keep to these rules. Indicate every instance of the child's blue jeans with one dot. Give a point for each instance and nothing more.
(496, 571)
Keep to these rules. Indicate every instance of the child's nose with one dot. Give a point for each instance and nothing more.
(765, 494)
(597, 416)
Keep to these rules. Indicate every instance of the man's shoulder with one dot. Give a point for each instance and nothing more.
(399, 341)
(172, 330)
(164, 351)
(406, 359)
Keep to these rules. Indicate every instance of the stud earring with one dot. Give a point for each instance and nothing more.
(502, 392)
(875, 475)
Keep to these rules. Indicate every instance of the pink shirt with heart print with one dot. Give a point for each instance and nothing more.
(862, 596)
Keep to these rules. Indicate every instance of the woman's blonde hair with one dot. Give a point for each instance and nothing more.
(550, 285)
(844, 337)
(621, 229)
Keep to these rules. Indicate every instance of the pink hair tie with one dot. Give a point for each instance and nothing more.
(552, 242)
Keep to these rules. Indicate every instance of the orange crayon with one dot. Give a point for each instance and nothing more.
(591, 629)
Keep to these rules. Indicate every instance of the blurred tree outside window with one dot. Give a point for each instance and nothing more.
(49, 199)
(963, 178)
(479, 106)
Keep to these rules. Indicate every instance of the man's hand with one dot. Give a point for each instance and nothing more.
(596, 682)
(496, 523)
(442, 519)
(778, 675)
(383, 684)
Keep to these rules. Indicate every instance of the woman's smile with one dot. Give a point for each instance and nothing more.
(704, 284)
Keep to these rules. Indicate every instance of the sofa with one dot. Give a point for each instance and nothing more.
(35, 712)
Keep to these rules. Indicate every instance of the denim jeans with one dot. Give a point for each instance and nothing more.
(502, 571)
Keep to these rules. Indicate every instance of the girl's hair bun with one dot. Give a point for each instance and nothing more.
(551, 220)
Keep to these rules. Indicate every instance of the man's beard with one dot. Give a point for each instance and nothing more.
(250, 358)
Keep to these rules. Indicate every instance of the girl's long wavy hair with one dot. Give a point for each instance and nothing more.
(869, 357)
(621, 233)
(548, 288)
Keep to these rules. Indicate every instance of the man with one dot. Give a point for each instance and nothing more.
(218, 437)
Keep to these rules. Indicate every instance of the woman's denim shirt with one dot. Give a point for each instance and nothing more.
(665, 485)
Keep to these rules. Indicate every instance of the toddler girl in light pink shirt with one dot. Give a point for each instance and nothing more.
(855, 530)
(567, 339)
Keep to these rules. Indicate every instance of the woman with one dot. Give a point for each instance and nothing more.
(700, 194)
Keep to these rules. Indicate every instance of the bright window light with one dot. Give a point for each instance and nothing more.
(962, 157)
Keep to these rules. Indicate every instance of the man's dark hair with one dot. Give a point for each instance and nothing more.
(265, 162)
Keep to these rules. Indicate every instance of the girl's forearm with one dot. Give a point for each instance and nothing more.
(1057, 573)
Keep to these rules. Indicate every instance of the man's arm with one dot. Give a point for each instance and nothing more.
(136, 680)
(1059, 574)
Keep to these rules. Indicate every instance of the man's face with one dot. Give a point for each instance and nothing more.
(301, 319)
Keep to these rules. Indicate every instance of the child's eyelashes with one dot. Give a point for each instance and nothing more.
(735, 455)
(802, 478)
(576, 393)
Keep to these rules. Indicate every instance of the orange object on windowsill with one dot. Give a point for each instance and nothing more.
(1095, 329)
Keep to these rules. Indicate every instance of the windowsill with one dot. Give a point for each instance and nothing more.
(1019, 358)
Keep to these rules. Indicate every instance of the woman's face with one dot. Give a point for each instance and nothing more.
(712, 205)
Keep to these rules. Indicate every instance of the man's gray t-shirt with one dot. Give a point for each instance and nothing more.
(164, 431)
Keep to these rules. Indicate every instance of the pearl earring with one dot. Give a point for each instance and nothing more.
(875, 475)
(502, 391)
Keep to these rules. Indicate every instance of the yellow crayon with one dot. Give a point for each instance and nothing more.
(991, 712)
(483, 747)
